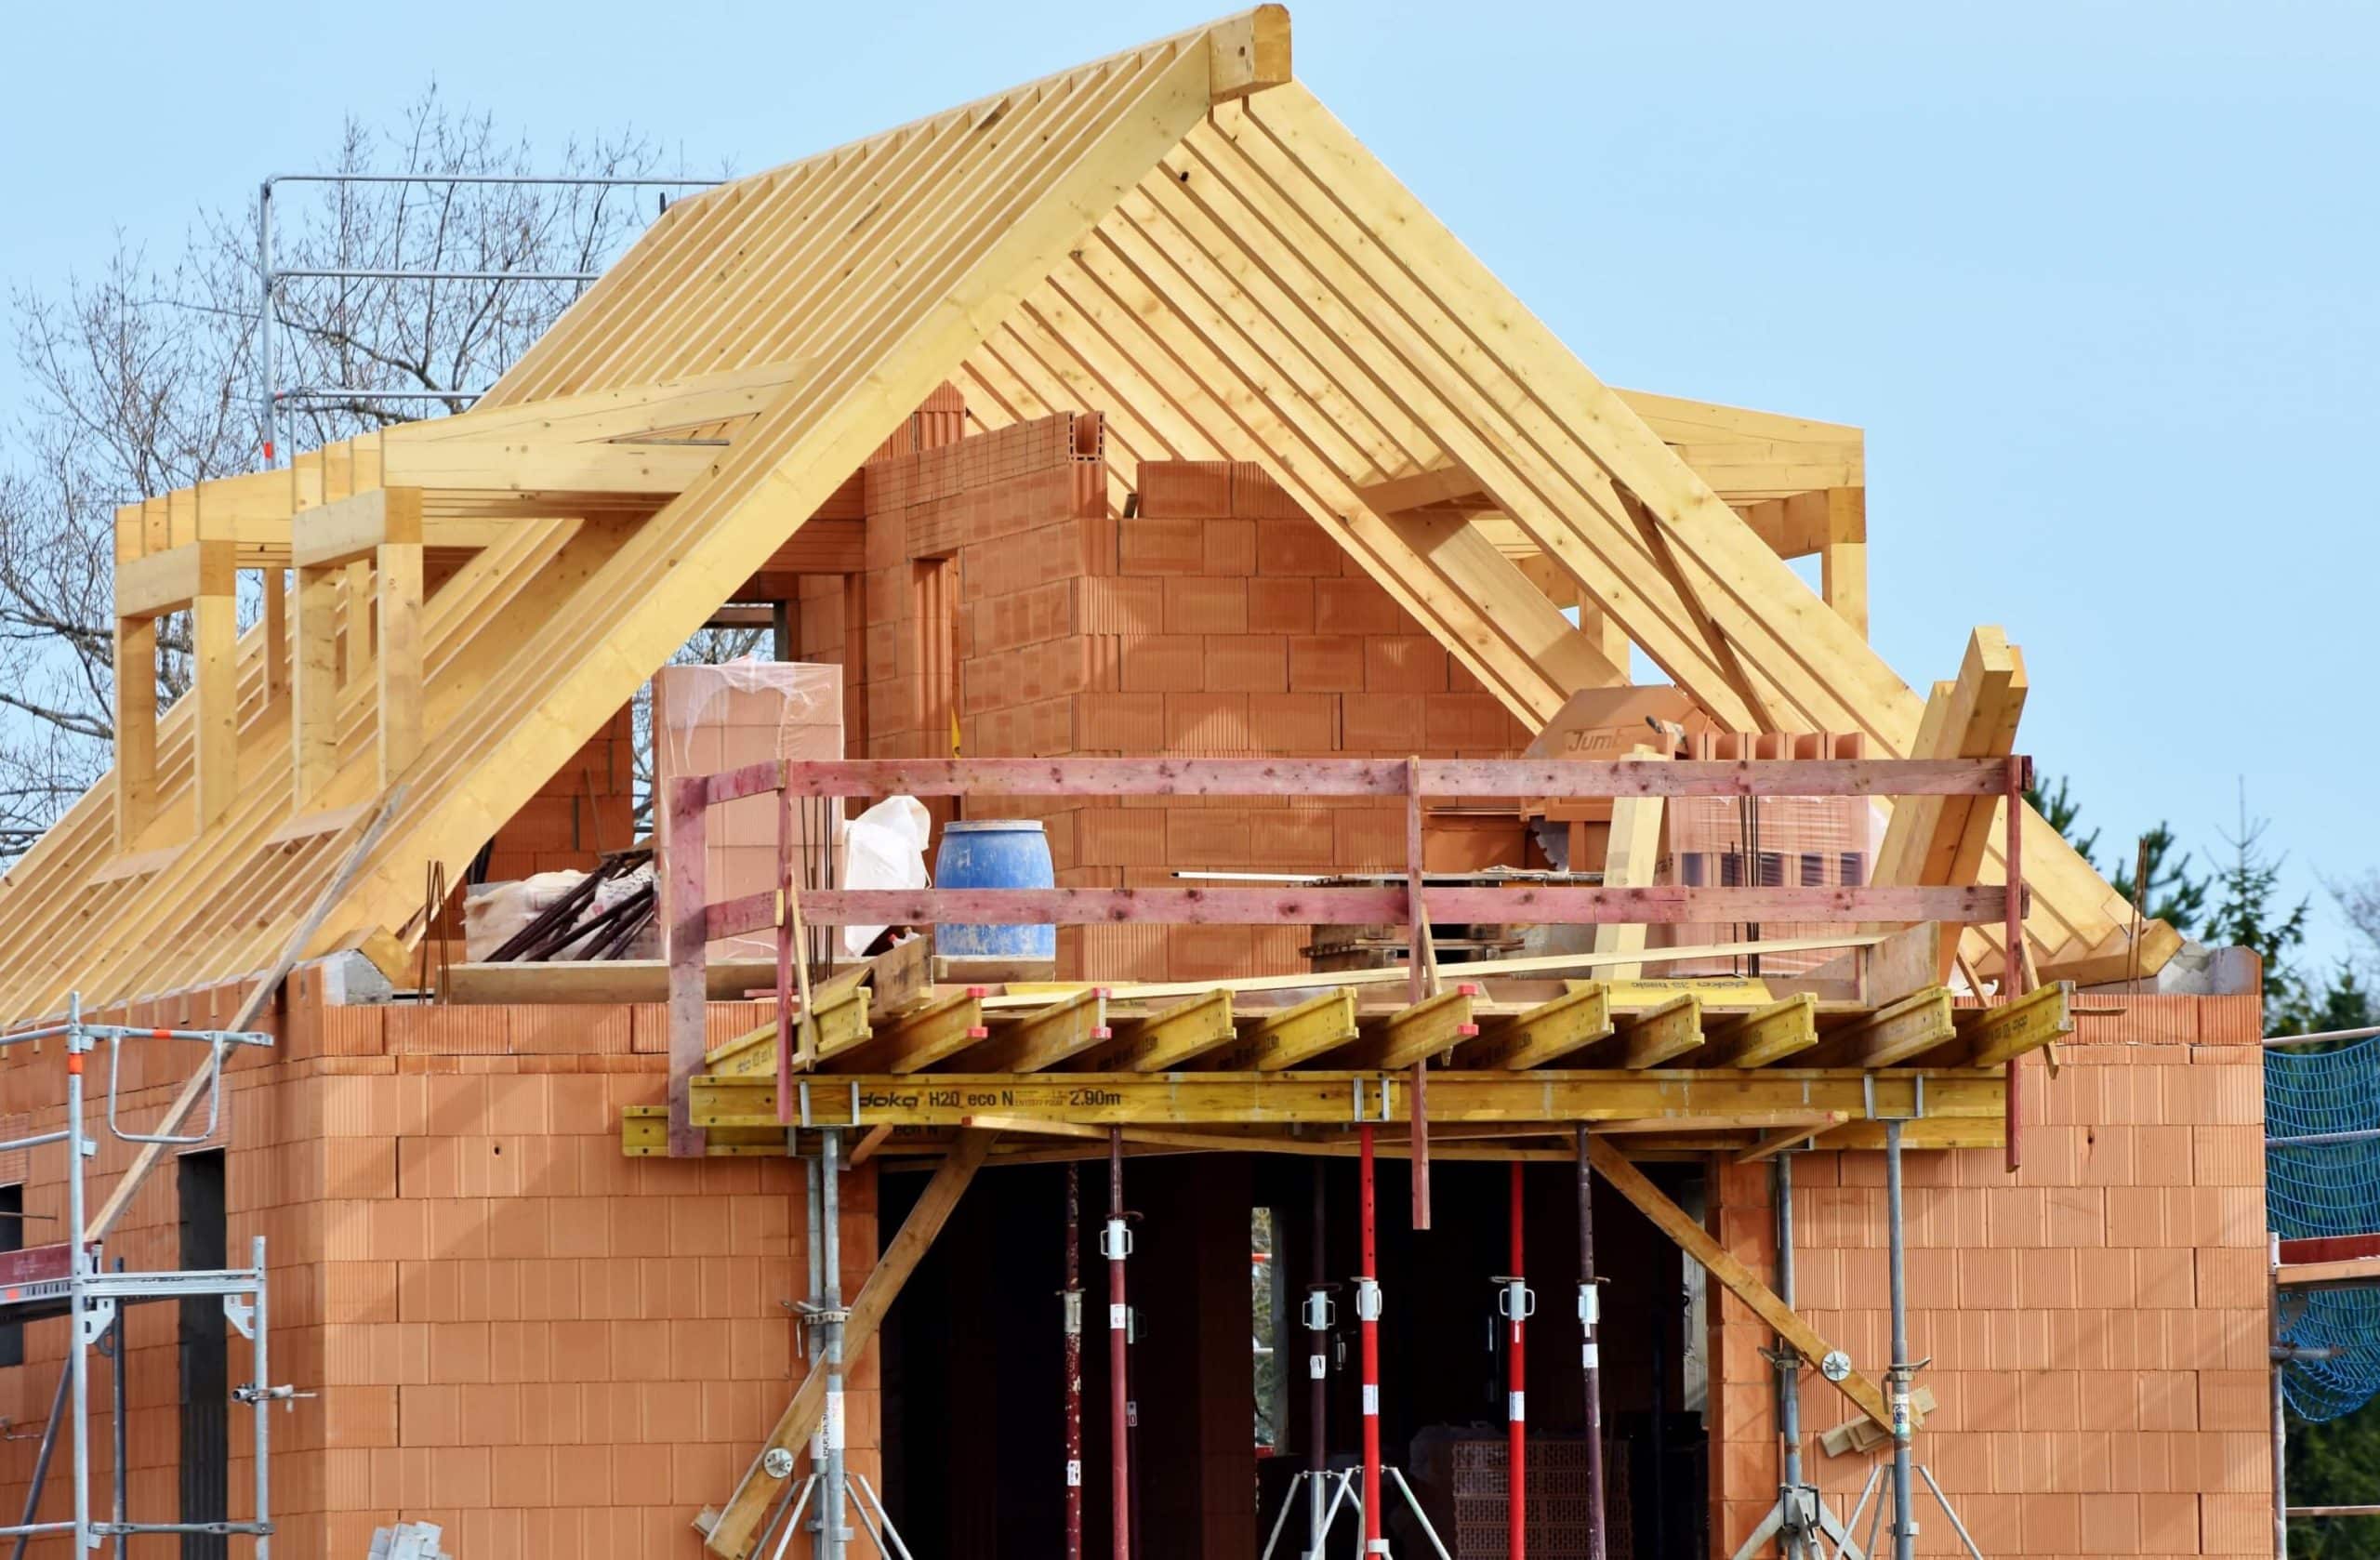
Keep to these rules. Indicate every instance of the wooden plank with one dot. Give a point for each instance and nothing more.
(1629, 862)
(1722, 1264)
(344, 530)
(1658, 1035)
(550, 467)
(1411, 492)
(1543, 1034)
(1444, 778)
(135, 729)
(1325, 1096)
(313, 725)
(1843, 560)
(398, 576)
(1271, 1042)
(730, 1535)
(1890, 1035)
(215, 678)
(1757, 1039)
(684, 879)
(583, 982)
(157, 583)
(1665, 905)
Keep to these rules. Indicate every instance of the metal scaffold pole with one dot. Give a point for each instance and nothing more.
(831, 1531)
(1904, 1499)
(1071, 1298)
(1318, 1372)
(1516, 1302)
(1116, 1245)
(1367, 1324)
(1590, 1358)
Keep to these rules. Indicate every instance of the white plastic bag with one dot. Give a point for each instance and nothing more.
(884, 847)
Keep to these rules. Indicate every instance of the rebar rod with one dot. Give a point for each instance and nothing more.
(832, 1494)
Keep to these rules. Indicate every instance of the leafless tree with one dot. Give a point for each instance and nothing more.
(141, 378)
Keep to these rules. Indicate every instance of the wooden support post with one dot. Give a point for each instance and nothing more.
(1423, 970)
(685, 889)
(215, 675)
(276, 634)
(355, 632)
(136, 728)
(1723, 1266)
(730, 1534)
(398, 572)
(1843, 560)
(1628, 862)
(313, 723)
(2012, 963)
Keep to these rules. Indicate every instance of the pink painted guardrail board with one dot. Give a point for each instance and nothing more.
(692, 922)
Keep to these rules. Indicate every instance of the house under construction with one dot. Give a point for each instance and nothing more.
(1507, 1110)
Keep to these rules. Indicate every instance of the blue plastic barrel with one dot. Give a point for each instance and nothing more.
(995, 854)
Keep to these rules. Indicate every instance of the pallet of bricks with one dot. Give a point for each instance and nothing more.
(1465, 1480)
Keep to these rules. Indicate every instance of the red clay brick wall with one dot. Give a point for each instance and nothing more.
(514, 1330)
(2097, 1322)
(586, 806)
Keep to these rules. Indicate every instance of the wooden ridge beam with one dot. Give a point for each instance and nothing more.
(1730, 1271)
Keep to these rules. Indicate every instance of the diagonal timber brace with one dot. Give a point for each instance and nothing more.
(1741, 1281)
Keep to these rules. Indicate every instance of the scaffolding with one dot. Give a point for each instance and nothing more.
(71, 1279)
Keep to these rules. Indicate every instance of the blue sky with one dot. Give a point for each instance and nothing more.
(2096, 279)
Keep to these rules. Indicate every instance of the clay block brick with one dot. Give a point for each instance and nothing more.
(1380, 723)
(1206, 836)
(1255, 494)
(1357, 605)
(1306, 724)
(1152, 545)
(1368, 836)
(1281, 604)
(1290, 839)
(1468, 721)
(1327, 664)
(2228, 1155)
(1248, 664)
(1404, 663)
(1163, 664)
(2230, 1277)
(1206, 723)
(1299, 547)
(1199, 605)
(1120, 722)
(1199, 953)
(1231, 547)
(1118, 606)
(1185, 487)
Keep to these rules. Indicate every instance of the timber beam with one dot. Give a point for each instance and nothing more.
(1681, 1095)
